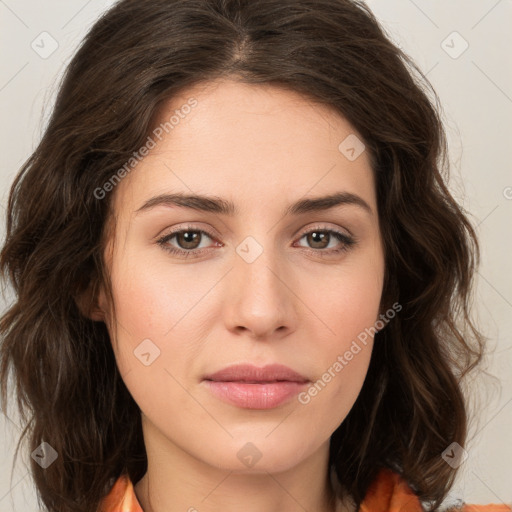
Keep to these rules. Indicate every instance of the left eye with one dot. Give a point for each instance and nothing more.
(320, 238)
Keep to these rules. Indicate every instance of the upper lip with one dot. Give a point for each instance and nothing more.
(251, 373)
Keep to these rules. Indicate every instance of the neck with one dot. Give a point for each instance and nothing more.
(175, 481)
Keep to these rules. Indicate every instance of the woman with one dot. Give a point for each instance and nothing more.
(240, 278)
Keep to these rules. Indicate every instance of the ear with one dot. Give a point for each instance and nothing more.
(91, 302)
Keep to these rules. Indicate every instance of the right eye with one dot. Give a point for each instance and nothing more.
(188, 240)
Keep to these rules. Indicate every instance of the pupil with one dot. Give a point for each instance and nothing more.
(189, 237)
(319, 237)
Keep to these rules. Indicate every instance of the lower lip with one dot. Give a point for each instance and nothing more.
(255, 396)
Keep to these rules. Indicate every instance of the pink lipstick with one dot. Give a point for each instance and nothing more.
(251, 387)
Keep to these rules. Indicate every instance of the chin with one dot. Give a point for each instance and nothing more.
(259, 455)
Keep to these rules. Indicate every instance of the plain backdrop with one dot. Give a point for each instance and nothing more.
(464, 47)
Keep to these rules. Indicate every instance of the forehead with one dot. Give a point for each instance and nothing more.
(243, 115)
(250, 143)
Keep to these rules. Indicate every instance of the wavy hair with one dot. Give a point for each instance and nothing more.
(139, 54)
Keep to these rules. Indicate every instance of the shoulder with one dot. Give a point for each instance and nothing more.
(389, 492)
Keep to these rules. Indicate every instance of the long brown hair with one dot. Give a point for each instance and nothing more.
(139, 54)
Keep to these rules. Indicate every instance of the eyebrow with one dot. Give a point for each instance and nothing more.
(221, 206)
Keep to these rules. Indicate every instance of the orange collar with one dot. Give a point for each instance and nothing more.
(388, 493)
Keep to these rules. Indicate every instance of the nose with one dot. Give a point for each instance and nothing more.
(260, 298)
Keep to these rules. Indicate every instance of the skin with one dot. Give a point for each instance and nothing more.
(263, 148)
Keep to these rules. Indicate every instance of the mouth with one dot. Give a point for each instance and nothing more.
(259, 395)
(251, 374)
(251, 387)
(251, 381)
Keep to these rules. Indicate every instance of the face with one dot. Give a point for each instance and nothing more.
(277, 278)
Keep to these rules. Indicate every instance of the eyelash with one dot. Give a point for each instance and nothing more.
(346, 240)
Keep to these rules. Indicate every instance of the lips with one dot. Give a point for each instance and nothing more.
(250, 387)
(251, 374)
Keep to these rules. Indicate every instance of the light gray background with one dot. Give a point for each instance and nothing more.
(475, 88)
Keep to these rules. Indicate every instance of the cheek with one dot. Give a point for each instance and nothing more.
(152, 299)
(347, 300)
(152, 337)
(348, 305)
(159, 310)
(339, 378)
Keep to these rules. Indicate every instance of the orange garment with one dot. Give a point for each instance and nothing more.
(388, 493)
